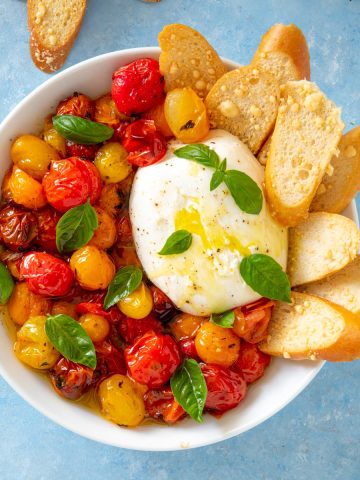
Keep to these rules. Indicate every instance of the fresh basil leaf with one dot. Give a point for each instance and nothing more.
(6, 284)
(246, 193)
(222, 166)
(76, 227)
(216, 179)
(199, 153)
(266, 277)
(189, 388)
(225, 320)
(70, 339)
(126, 280)
(178, 242)
(81, 130)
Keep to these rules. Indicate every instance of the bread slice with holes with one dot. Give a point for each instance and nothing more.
(245, 102)
(342, 288)
(320, 246)
(338, 189)
(283, 51)
(312, 328)
(53, 25)
(264, 152)
(307, 131)
(188, 60)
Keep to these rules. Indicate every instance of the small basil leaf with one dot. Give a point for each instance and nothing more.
(222, 166)
(76, 227)
(225, 320)
(199, 153)
(266, 277)
(178, 242)
(216, 179)
(70, 339)
(126, 280)
(246, 193)
(6, 284)
(81, 130)
(189, 388)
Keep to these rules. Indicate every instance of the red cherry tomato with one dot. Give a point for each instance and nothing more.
(152, 359)
(119, 132)
(251, 363)
(109, 360)
(46, 275)
(163, 306)
(188, 349)
(226, 388)
(131, 329)
(123, 229)
(161, 404)
(69, 379)
(47, 219)
(138, 86)
(18, 227)
(89, 307)
(86, 152)
(71, 182)
(144, 144)
(78, 104)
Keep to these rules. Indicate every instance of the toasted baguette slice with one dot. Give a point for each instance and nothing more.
(188, 60)
(337, 190)
(264, 152)
(313, 328)
(245, 102)
(322, 245)
(283, 51)
(307, 131)
(53, 25)
(342, 288)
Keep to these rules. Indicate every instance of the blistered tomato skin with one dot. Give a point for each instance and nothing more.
(24, 304)
(96, 326)
(188, 349)
(33, 155)
(161, 404)
(18, 228)
(110, 360)
(106, 111)
(138, 86)
(47, 219)
(111, 161)
(120, 403)
(70, 380)
(153, 359)
(32, 345)
(25, 190)
(93, 268)
(78, 104)
(138, 304)
(251, 321)
(46, 275)
(186, 115)
(226, 388)
(70, 183)
(217, 345)
(131, 329)
(144, 143)
(86, 152)
(105, 235)
(251, 363)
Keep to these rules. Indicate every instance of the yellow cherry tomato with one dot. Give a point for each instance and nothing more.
(185, 326)
(33, 155)
(25, 190)
(53, 137)
(96, 326)
(120, 402)
(64, 308)
(111, 161)
(32, 345)
(105, 235)
(186, 115)
(217, 345)
(138, 304)
(93, 268)
(24, 304)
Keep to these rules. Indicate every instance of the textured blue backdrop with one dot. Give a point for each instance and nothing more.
(317, 435)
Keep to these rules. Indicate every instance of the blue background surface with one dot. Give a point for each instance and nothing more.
(317, 435)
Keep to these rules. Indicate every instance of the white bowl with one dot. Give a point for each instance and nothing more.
(283, 380)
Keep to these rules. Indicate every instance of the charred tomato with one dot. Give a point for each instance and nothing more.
(18, 228)
(70, 380)
(78, 104)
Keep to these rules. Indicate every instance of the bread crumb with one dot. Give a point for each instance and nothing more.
(313, 101)
(229, 109)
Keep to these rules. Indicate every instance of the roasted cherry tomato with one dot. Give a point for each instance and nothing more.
(46, 275)
(64, 308)
(161, 404)
(25, 190)
(111, 161)
(251, 363)
(188, 349)
(86, 152)
(112, 199)
(110, 360)
(93, 268)
(24, 304)
(138, 86)
(163, 306)
(5, 190)
(96, 326)
(78, 104)
(18, 228)
(105, 235)
(138, 304)
(123, 256)
(153, 359)
(71, 182)
(131, 329)
(251, 321)
(53, 138)
(70, 380)
(157, 114)
(144, 144)
(226, 388)
(185, 326)
(106, 111)
(123, 229)
(90, 307)
(47, 219)
(217, 345)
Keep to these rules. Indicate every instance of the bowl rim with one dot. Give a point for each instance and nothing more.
(48, 412)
